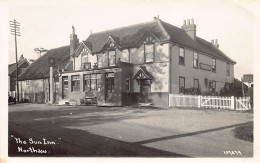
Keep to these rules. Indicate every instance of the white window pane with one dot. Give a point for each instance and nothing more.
(112, 60)
(149, 52)
(149, 57)
(181, 52)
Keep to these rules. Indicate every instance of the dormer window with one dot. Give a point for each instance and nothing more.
(149, 53)
(112, 58)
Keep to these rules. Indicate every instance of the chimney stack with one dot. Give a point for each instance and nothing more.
(190, 28)
(21, 58)
(73, 42)
(214, 42)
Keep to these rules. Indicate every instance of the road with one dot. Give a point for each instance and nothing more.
(124, 131)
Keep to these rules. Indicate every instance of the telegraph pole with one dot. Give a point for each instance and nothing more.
(15, 30)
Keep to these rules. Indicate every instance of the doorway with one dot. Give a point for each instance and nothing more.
(65, 87)
(145, 90)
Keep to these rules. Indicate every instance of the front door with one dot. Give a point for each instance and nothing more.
(109, 88)
(65, 87)
(145, 90)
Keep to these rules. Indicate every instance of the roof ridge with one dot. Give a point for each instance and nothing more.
(159, 21)
(59, 47)
(172, 25)
(19, 64)
(217, 49)
(118, 28)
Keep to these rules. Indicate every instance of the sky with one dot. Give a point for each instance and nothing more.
(47, 24)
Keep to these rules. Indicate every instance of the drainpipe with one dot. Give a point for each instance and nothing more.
(170, 68)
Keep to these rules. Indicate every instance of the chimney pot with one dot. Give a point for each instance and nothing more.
(192, 21)
(188, 22)
(184, 22)
(154, 18)
(73, 30)
(216, 41)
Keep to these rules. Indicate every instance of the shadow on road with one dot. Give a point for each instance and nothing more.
(50, 125)
(189, 134)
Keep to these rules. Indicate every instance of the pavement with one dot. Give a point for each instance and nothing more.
(127, 131)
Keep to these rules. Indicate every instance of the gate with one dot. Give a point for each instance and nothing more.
(242, 103)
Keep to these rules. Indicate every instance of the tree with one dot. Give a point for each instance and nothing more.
(40, 50)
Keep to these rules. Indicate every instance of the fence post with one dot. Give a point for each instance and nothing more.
(232, 103)
(199, 101)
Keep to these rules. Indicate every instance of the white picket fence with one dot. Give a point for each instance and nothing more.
(215, 102)
(242, 103)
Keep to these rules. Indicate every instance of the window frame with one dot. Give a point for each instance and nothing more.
(180, 63)
(77, 81)
(85, 81)
(153, 53)
(96, 80)
(110, 82)
(27, 82)
(181, 77)
(211, 84)
(197, 60)
(110, 58)
(214, 66)
(194, 83)
(128, 83)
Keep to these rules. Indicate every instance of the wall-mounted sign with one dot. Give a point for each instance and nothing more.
(205, 67)
(248, 78)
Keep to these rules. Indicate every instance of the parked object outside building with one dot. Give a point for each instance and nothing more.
(141, 63)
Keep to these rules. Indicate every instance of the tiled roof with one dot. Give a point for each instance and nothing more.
(179, 36)
(12, 67)
(40, 68)
(130, 35)
(126, 36)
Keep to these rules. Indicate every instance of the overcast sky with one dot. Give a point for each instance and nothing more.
(48, 24)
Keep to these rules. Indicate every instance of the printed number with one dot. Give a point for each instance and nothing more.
(232, 153)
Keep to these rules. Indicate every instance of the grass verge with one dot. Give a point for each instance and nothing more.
(245, 132)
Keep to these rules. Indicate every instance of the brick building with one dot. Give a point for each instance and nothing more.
(141, 63)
